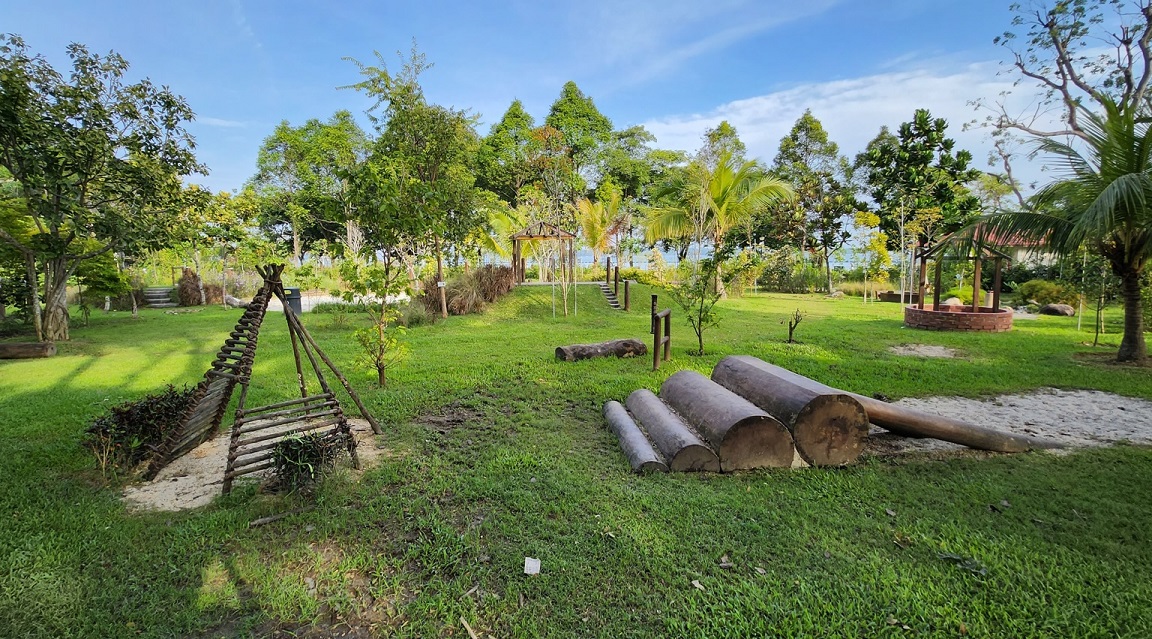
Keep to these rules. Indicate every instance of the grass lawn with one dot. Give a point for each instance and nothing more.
(495, 452)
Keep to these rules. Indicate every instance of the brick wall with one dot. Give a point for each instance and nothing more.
(958, 318)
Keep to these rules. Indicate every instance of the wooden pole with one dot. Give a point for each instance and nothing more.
(997, 282)
(936, 284)
(637, 449)
(828, 428)
(922, 290)
(440, 279)
(976, 284)
(914, 423)
(742, 435)
(627, 297)
(682, 449)
(607, 271)
(616, 281)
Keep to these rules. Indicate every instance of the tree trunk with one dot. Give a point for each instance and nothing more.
(381, 377)
(1132, 346)
(742, 435)
(34, 295)
(618, 347)
(828, 268)
(440, 280)
(199, 279)
(639, 452)
(683, 450)
(297, 246)
(56, 300)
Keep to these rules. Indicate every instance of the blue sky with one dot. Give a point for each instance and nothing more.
(675, 66)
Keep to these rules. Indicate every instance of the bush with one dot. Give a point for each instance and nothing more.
(334, 308)
(129, 434)
(649, 278)
(188, 288)
(784, 274)
(964, 293)
(1045, 292)
(416, 314)
(302, 458)
(494, 281)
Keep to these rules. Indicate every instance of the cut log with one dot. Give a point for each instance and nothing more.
(635, 445)
(26, 350)
(617, 347)
(915, 423)
(679, 445)
(742, 435)
(827, 428)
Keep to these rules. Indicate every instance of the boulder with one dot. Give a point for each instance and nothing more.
(1057, 309)
(952, 301)
(232, 302)
(836, 295)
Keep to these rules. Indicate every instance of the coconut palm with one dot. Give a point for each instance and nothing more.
(594, 220)
(708, 203)
(1103, 202)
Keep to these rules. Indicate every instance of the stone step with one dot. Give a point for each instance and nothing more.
(163, 305)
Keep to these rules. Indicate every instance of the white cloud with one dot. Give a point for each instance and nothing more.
(220, 122)
(853, 110)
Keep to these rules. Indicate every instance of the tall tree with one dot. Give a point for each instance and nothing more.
(584, 128)
(280, 179)
(503, 164)
(719, 140)
(918, 183)
(1101, 99)
(420, 179)
(332, 151)
(825, 193)
(97, 162)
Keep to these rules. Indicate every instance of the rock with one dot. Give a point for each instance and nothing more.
(1057, 309)
(836, 295)
(952, 301)
(232, 302)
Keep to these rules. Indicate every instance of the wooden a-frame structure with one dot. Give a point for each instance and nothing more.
(255, 431)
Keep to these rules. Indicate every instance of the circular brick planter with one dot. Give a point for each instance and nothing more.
(958, 318)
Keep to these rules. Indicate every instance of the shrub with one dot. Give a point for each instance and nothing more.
(465, 296)
(964, 293)
(334, 308)
(649, 278)
(301, 459)
(1045, 292)
(130, 432)
(188, 288)
(494, 281)
(416, 314)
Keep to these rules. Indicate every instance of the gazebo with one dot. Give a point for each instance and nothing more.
(545, 231)
(953, 317)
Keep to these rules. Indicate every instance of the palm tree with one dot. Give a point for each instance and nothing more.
(1102, 203)
(707, 203)
(594, 220)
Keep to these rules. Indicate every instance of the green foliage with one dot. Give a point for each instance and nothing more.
(584, 129)
(126, 435)
(1044, 292)
(301, 459)
(503, 163)
(469, 292)
(332, 308)
(786, 272)
(380, 343)
(698, 291)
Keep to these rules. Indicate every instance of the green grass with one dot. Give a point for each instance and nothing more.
(440, 528)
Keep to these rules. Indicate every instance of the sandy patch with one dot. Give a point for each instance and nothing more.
(1075, 418)
(195, 479)
(922, 350)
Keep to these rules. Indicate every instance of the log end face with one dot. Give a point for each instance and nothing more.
(757, 442)
(694, 458)
(830, 431)
(652, 466)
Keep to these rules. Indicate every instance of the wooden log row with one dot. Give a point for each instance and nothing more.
(828, 427)
(682, 449)
(641, 456)
(742, 435)
(32, 350)
(898, 419)
(617, 347)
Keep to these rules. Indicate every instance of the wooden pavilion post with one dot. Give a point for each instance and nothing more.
(922, 290)
(976, 283)
(997, 280)
(936, 284)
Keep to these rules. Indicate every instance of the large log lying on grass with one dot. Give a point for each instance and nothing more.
(679, 445)
(617, 347)
(742, 435)
(635, 445)
(915, 423)
(828, 428)
(26, 350)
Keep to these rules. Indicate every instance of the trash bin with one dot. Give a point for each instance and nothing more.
(292, 296)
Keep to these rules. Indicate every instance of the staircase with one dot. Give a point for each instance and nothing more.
(158, 297)
(612, 301)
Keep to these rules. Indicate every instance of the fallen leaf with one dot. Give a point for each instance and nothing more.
(697, 584)
(725, 562)
(892, 621)
(890, 512)
(1004, 503)
(963, 628)
(761, 571)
